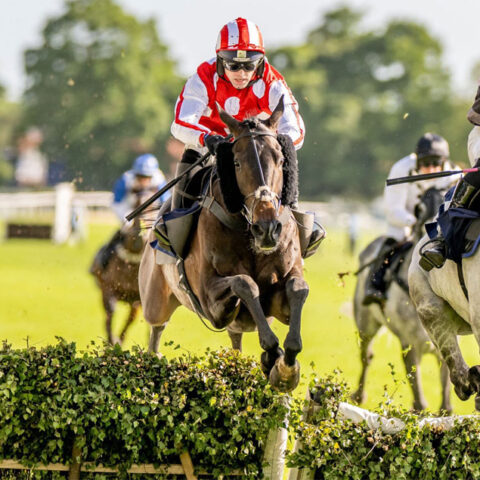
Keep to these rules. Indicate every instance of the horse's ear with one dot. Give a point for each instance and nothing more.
(232, 123)
(276, 115)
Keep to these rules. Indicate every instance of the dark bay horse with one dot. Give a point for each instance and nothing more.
(118, 281)
(398, 315)
(245, 268)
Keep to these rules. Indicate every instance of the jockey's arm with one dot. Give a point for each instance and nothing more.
(291, 123)
(473, 145)
(191, 105)
(396, 200)
(120, 204)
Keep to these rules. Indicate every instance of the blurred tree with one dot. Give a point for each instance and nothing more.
(9, 117)
(102, 88)
(366, 98)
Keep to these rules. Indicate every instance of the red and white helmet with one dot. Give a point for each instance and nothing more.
(240, 41)
(240, 34)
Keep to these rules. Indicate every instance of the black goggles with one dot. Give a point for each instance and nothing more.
(433, 161)
(237, 66)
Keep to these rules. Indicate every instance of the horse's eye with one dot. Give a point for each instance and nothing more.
(281, 161)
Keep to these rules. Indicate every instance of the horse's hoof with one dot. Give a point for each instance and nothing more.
(283, 377)
(464, 392)
(474, 377)
(268, 359)
(357, 397)
(477, 403)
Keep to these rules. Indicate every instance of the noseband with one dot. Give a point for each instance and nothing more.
(263, 192)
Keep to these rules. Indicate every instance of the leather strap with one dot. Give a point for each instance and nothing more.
(235, 223)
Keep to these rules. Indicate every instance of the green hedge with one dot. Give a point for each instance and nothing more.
(340, 449)
(129, 407)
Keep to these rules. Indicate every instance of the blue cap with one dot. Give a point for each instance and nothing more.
(145, 165)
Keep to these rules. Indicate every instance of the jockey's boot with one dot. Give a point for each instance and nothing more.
(189, 156)
(376, 286)
(315, 239)
(310, 231)
(159, 227)
(433, 252)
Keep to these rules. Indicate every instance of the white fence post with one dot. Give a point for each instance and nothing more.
(275, 447)
(63, 212)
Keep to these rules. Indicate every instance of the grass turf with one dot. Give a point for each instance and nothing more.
(46, 291)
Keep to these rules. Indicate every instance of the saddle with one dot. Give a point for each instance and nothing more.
(173, 228)
(460, 228)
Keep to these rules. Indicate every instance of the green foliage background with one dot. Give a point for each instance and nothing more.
(102, 86)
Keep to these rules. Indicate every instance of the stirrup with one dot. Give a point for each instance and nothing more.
(429, 259)
(316, 238)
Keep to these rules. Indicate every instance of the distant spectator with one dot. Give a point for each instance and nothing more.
(32, 166)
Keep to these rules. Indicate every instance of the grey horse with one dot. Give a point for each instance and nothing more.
(400, 317)
(446, 312)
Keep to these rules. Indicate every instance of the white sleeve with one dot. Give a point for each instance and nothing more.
(395, 199)
(291, 123)
(191, 105)
(473, 145)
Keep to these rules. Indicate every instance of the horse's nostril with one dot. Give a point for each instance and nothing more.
(278, 229)
(257, 229)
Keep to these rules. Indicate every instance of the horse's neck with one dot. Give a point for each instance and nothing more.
(133, 239)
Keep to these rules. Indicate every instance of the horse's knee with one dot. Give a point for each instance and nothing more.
(297, 289)
(244, 286)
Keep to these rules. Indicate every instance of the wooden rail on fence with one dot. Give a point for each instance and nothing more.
(184, 468)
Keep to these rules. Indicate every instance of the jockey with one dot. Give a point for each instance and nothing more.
(244, 84)
(145, 175)
(401, 204)
(465, 195)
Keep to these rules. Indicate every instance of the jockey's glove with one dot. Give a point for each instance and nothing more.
(213, 141)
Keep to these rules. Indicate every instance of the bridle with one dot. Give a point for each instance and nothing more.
(263, 192)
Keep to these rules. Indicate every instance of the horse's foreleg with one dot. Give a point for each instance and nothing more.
(236, 339)
(412, 366)
(445, 382)
(366, 354)
(296, 290)
(440, 324)
(247, 290)
(155, 334)
(131, 318)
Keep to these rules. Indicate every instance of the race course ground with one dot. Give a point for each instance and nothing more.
(46, 291)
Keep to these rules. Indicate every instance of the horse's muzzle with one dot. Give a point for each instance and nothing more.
(266, 234)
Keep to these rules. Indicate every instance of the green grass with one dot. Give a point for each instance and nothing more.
(46, 291)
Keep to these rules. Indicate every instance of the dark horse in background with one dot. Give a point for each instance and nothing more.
(244, 266)
(118, 280)
(399, 314)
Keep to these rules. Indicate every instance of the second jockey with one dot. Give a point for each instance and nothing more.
(401, 203)
(243, 83)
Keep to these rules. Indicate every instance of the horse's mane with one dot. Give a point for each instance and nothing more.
(232, 196)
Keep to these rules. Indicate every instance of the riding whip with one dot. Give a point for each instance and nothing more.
(168, 186)
(427, 176)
